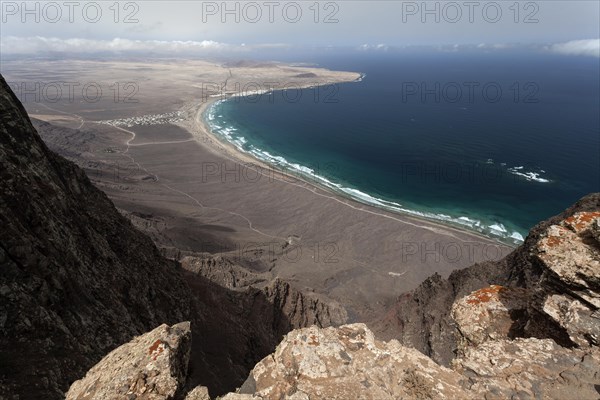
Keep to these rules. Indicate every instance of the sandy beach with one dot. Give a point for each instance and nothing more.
(192, 192)
(208, 139)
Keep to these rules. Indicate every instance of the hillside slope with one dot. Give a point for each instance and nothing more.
(77, 279)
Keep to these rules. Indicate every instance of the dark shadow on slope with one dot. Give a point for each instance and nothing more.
(232, 331)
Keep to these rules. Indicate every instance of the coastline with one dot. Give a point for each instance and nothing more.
(209, 140)
(289, 227)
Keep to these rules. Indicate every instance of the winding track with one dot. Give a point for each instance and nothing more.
(156, 177)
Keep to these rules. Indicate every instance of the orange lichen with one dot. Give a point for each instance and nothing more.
(581, 221)
(555, 237)
(313, 341)
(484, 295)
(553, 241)
(156, 349)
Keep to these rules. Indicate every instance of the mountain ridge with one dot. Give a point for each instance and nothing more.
(77, 280)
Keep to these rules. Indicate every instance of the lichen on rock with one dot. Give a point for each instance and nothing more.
(152, 366)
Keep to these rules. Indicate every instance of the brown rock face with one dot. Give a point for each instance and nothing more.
(566, 264)
(499, 367)
(529, 369)
(152, 366)
(527, 326)
(568, 295)
(561, 309)
(348, 363)
(300, 309)
(490, 313)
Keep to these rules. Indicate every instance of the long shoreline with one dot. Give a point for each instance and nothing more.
(222, 147)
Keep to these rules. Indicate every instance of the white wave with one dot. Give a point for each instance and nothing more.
(498, 228)
(494, 229)
(530, 176)
(517, 236)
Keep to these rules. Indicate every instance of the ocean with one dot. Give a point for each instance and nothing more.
(491, 142)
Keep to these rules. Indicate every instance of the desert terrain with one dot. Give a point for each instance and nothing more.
(136, 128)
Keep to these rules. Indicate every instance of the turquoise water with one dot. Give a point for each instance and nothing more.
(402, 138)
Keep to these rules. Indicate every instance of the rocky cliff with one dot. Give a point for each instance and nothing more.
(300, 308)
(536, 337)
(150, 366)
(240, 320)
(77, 280)
(422, 317)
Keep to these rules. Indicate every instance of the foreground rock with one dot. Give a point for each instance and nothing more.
(152, 366)
(348, 363)
(541, 340)
(530, 369)
(533, 338)
(558, 266)
(568, 295)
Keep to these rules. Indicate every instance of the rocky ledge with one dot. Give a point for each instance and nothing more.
(530, 342)
(152, 366)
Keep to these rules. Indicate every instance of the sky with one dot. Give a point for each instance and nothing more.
(570, 27)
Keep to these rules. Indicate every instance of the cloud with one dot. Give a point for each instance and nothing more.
(378, 47)
(588, 47)
(495, 46)
(41, 45)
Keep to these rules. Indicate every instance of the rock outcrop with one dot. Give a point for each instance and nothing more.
(301, 309)
(534, 332)
(561, 304)
(152, 366)
(567, 298)
(348, 363)
(423, 319)
(529, 369)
